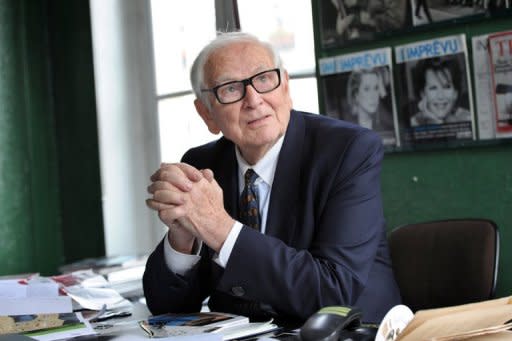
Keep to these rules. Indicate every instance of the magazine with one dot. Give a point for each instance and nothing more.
(483, 88)
(46, 326)
(435, 91)
(484, 91)
(228, 325)
(500, 51)
(358, 88)
(343, 22)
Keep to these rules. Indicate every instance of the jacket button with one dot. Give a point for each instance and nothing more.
(238, 291)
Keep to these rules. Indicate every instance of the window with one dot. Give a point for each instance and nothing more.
(288, 26)
(181, 31)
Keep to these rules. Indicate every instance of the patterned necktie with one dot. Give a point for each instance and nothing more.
(249, 208)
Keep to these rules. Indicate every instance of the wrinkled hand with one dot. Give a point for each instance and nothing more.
(190, 203)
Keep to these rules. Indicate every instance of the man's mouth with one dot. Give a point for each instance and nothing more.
(258, 120)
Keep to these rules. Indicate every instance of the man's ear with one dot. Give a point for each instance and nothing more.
(206, 115)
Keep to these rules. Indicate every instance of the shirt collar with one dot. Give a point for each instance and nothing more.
(266, 167)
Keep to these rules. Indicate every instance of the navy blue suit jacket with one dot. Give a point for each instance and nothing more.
(325, 241)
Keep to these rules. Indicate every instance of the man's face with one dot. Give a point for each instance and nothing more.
(257, 121)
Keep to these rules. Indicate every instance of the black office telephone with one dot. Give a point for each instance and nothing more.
(335, 323)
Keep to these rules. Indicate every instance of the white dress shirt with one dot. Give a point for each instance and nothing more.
(180, 263)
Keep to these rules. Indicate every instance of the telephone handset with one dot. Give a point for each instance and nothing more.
(335, 323)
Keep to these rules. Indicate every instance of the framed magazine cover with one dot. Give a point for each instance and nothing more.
(487, 98)
(500, 51)
(358, 88)
(343, 22)
(432, 11)
(435, 91)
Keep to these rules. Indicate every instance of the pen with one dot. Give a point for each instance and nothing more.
(111, 315)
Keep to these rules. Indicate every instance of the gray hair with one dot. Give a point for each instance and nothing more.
(222, 40)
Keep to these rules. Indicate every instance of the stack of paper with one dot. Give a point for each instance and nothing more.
(37, 296)
(482, 321)
(91, 291)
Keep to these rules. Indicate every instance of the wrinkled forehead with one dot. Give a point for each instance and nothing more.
(236, 61)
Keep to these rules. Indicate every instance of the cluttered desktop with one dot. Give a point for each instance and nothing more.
(102, 299)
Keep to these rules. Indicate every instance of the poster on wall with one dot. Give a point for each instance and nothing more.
(485, 93)
(358, 87)
(435, 91)
(500, 51)
(432, 11)
(346, 21)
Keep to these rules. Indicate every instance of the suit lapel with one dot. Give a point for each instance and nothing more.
(226, 174)
(281, 219)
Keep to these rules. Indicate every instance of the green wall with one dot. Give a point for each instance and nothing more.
(50, 197)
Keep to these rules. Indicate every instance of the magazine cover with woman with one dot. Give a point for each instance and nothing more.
(358, 88)
(435, 91)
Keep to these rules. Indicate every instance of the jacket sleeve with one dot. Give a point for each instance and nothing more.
(166, 291)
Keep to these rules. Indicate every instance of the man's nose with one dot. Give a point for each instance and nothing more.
(251, 95)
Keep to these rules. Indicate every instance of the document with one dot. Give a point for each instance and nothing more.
(38, 296)
(485, 320)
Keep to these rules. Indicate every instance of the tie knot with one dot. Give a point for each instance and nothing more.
(250, 177)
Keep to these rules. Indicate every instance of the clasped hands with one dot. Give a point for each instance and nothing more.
(190, 202)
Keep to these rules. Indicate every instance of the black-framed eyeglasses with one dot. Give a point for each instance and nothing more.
(235, 91)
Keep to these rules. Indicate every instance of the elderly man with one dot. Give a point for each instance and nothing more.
(279, 217)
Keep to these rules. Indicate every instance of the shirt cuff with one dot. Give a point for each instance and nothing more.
(225, 251)
(178, 262)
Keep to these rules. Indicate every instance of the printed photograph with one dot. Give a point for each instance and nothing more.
(363, 97)
(435, 96)
(430, 11)
(344, 21)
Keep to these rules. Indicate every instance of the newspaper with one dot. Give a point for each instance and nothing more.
(435, 91)
(358, 87)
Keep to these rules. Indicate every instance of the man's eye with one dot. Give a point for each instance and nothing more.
(231, 88)
(262, 79)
